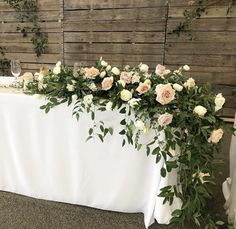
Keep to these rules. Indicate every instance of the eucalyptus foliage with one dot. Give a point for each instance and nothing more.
(193, 117)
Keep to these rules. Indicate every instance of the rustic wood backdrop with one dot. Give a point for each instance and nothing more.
(130, 32)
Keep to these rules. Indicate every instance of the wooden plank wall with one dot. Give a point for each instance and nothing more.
(130, 32)
(123, 32)
(211, 54)
(50, 13)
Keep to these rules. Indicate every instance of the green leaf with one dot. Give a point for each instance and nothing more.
(158, 157)
(101, 137)
(139, 146)
(220, 223)
(101, 128)
(90, 131)
(156, 151)
(123, 142)
(148, 151)
(163, 172)
(110, 130)
(122, 132)
(92, 115)
(123, 122)
(88, 138)
(123, 110)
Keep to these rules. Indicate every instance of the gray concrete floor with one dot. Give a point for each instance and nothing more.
(20, 212)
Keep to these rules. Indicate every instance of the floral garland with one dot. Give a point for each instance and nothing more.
(162, 100)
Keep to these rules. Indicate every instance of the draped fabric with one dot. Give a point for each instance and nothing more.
(46, 156)
(229, 186)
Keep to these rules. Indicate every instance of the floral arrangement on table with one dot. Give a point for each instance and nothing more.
(162, 100)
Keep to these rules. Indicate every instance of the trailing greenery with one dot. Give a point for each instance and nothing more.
(153, 103)
(4, 63)
(196, 10)
(28, 12)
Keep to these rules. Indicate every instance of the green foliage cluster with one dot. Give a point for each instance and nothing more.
(196, 10)
(28, 12)
(4, 63)
(187, 134)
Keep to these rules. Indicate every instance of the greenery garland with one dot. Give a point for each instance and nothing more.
(28, 12)
(161, 101)
(4, 62)
(198, 8)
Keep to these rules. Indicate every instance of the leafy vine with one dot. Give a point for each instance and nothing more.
(198, 8)
(28, 12)
(4, 62)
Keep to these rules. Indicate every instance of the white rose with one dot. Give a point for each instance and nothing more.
(127, 67)
(125, 95)
(40, 77)
(219, 101)
(109, 106)
(88, 99)
(74, 97)
(143, 67)
(133, 102)
(140, 125)
(135, 78)
(108, 68)
(121, 82)
(200, 110)
(102, 74)
(58, 64)
(103, 63)
(177, 87)
(93, 87)
(70, 87)
(189, 83)
(115, 71)
(186, 67)
(216, 135)
(56, 70)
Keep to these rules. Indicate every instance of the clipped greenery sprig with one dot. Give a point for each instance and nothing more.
(181, 119)
(28, 12)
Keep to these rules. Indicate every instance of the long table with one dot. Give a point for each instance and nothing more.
(45, 156)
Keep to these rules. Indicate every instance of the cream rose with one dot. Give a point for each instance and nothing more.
(219, 101)
(125, 95)
(88, 99)
(186, 67)
(74, 97)
(216, 135)
(108, 68)
(70, 87)
(200, 110)
(91, 73)
(115, 71)
(143, 88)
(121, 82)
(104, 63)
(109, 106)
(140, 125)
(93, 87)
(190, 83)
(143, 67)
(165, 93)
(165, 119)
(126, 76)
(107, 83)
(103, 74)
(177, 87)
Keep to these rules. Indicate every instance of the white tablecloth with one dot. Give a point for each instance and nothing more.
(229, 186)
(45, 156)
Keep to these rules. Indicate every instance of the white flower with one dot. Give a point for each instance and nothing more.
(140, 125)
(189, 83)
(148, 81)
(219, 101)
(93, 87)
(87, 100)
(109, 106)
(135, 78)
(74, 97)
(58, 64)
(56, 70)
(143, 67)
(165, 119)
(103, 74)
(127, 67)
(70, 87)
(133, 102)
(108, 68)
(121, 82)
(104, 63)
(186, 68)
(115, 71)
(200, 110)
(177, 87)
(40, 77)
(125, 95)
(216, 135)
